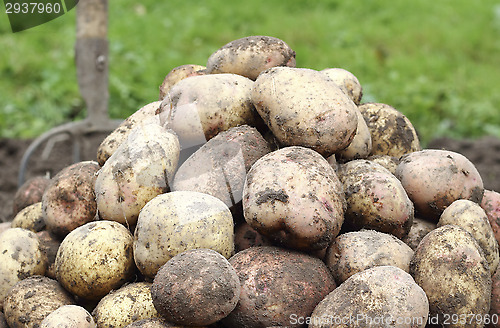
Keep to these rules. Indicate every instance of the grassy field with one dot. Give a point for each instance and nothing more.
(438, 62)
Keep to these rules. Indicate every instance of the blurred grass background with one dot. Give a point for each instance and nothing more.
(438, 62)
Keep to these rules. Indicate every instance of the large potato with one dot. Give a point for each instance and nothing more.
(383, 296)
(451, 268)
(347, 81)
(433, 179)
(375, 199)
(250, 56)
(179, 73)
(31, 300)
(30, 192)
(142, 116)
(30, 218)
(294, 197)
(20, 257)
(69, 316)
(491, 205)
(94, 259)
(178, 221)
(356, 251)
(140, 169)
(303, 107)
(200, 107)
(196, 288)
(277, 284)
(392, 133)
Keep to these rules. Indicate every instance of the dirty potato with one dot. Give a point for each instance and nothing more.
(251, 55)
(491, 205)
(418, 230)
(361, 144)
(179, 73)
(49, 244)
(30, 192)
(389, 162)
(346, 81)
(69, 316)
(30, 218)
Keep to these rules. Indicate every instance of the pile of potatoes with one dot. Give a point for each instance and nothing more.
(254, 193)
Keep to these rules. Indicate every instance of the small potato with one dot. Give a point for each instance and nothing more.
(69, 200)
(418, 230)
(361, 144)
(347, 82)
(375, 199)
(178, 221)
(392, 133)
(49, 244)
(69, 316)
(179, 73)
(5, 225)
(196, 288)
(122, 307)
(20, 257)
(154, 323)
(383, 296)
(491, 205)
(3, 323)
(277, 284)
(142, 116)
(303, 107)
(250, 56)
(495, 300)
(356, 251)
(94, 259)
(245, 237)
(31, 300)
(451, 268)
(433, 179)
(389, 162)
(30, 192)
(30, 218)
(140, 169)
(472, 218)
(293, 196)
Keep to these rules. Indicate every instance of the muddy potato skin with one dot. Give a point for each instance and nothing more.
(20, 257)
(356, 251)
(303, 107)
(375, 198)
(94, 259)
(389, 162)
(361, 144)
(495, 300)
(347, 81)
(277, 283)
(472, 218)
(154, 323)
(392, 133)
(451, 268)
(178, 221)
(109, 145)
(491, 205)
(200, 107)
(293, 196)
(433, 179)
(418, 230)
(122, 307)
(30, 218)
(69, 200)
(245, 237)
(179, 73)
(381, 293)
(69, 316)
(33, 299)
(30, 192)
(49, 244)
(196, 288)
(140, 169)
(250, 56)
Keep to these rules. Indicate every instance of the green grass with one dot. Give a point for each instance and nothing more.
(438, 62)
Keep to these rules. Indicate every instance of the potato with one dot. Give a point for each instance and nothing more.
(418, 230)
(250, 56)
(178, 221)
(450, 267)
(356, 251)
(389, 162)
(220, 166)
(153, 323)
(5, 225)
(383, 296)
(3, 323)
(433, 179)
(472, 218)
(495, 301)
(347, 82)
(140, 169)
(31, 300)
(375, 199)
(122, 307)
(20, 257)
(361, 144)
(30, 192)
(69, 200)
(303, 107)
(277, 284)
(392, 133)
(245, 237)
(49, 244)
(293, 197)
(195, 288)
(142, 116)
(179, 73)
(30, 218)
(201, 107)
(94, 259)
(68, 316)
(491, 205)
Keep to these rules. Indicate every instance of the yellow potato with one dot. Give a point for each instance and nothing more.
(179, 73)
(346, 81)
(31, 218)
